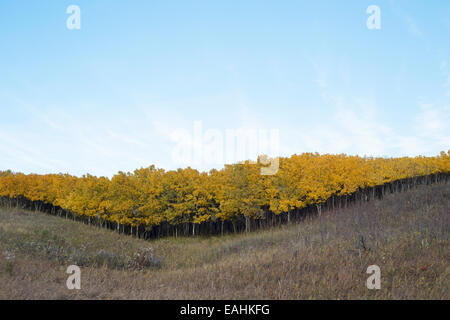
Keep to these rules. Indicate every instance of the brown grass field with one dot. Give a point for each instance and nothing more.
(405, 234)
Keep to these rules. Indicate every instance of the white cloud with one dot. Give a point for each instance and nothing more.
(432, 125)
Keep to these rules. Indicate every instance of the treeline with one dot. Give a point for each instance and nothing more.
(152, 202)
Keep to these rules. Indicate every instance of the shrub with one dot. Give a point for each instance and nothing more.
(145, 258)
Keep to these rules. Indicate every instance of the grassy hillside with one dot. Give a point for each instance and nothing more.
(406, 234)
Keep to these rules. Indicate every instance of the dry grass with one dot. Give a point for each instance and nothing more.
(406, 234)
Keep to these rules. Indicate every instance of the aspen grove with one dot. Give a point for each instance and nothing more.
(152, 202)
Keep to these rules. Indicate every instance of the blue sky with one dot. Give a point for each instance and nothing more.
(111, 95)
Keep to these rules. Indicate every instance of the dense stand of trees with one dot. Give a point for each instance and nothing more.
(152, 202)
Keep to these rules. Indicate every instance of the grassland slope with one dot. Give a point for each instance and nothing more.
(405, 234)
